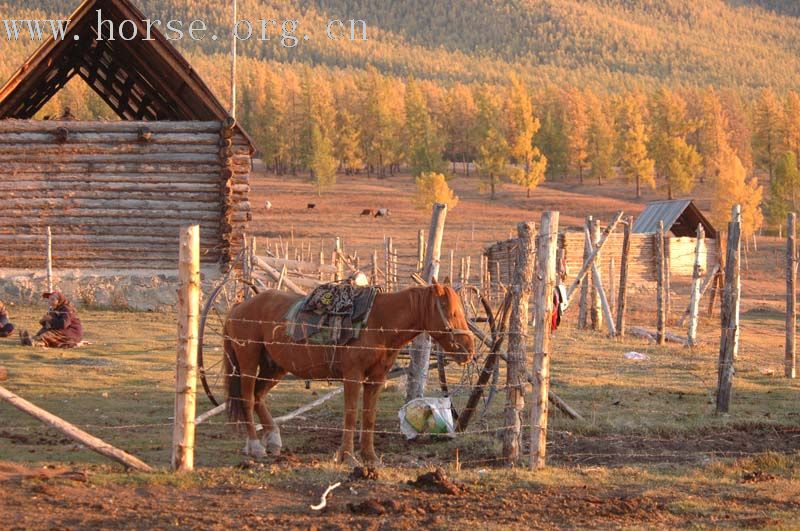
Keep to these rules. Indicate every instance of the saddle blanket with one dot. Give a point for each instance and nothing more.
(333, 314)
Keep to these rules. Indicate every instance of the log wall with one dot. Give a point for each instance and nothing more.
(115, 193)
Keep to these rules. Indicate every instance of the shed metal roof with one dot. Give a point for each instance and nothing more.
(680, 216)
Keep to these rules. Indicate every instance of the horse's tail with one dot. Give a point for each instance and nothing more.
(233, 382)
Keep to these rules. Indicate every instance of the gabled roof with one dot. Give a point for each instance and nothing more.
(680, 216)
(140, 79)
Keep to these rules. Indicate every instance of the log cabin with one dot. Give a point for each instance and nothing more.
(115, 192)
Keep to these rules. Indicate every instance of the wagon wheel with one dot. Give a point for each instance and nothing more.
(210, 352)
(460, 384)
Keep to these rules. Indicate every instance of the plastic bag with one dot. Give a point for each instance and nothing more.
(427, 415)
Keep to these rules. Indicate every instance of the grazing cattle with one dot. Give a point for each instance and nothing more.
(382, 213)
(367, 212)
(311, 206)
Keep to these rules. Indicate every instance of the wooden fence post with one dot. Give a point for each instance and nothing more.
(729, 337)
(612, 277)
(374, 267)
(517, 344)
(599, 292)
(186, 366)
(339, 258)
(420, 249)
(542, 315)
(49, 261)
(790, 362)
(596, 307)
(660, 274)
(667, 277)
(622, 297)
(697, 278)
(387, 273)
(583, 309)
(421, 347)
(246, 262)
(719, 277)
(589, 261)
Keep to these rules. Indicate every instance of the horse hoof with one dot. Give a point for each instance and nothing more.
(254, 448)
(273, 442)
(346, 458)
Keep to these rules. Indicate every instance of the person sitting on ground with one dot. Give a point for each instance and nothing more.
(5, 325)
(61, 327)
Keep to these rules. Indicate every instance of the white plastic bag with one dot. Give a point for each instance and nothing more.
(636, 356)
(427, 415)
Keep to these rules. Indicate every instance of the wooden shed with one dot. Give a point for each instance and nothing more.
(115, 192)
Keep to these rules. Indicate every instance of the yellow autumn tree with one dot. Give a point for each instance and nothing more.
(732, 187)
(432, 188)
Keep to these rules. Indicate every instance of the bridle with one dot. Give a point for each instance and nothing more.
(449, 329)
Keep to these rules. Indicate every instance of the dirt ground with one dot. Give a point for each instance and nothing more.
(279, 493)
(650, 452)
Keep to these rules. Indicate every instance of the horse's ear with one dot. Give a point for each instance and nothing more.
(439, 290)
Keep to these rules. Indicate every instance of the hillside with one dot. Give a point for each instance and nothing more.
(602, 43)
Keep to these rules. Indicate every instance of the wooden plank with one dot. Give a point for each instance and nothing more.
(73, 432)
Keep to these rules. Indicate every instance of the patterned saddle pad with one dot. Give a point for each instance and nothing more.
(333, 314)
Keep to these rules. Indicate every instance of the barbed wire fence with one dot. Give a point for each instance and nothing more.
(626, 402)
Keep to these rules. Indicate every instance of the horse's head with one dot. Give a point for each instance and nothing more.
(448, 324)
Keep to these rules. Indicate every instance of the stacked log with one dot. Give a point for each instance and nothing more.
(501, 260)
(115, 193)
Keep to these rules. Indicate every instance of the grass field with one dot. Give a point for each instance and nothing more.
(650, 453)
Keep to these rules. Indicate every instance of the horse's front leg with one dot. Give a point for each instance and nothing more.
(351, 390)
(368, 414)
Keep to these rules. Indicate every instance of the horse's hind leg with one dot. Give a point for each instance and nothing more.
(271, 433)
(369, 411)
(352, 387)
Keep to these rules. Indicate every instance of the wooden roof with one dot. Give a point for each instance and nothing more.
(140, 79)
(680, 216)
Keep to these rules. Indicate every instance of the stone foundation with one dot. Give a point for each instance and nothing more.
(136, 290)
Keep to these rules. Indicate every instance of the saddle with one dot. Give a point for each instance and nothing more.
(333, 314)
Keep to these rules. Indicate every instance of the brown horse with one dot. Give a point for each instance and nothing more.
(259, 353)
